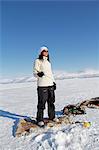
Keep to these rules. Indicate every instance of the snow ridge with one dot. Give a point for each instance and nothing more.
(59, 75)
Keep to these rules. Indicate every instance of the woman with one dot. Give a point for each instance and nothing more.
(45, 86)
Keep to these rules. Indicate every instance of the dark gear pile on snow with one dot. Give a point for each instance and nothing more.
(73, 109)
(80, 107)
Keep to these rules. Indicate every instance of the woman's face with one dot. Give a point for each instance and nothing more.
(45, 53)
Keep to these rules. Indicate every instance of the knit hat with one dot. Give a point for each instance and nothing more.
(43, 48)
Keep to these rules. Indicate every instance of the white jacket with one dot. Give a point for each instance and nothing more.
(45, 66)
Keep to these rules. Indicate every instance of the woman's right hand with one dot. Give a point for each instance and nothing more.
(40, 74)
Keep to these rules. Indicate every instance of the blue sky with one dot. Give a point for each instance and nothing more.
(68, 28)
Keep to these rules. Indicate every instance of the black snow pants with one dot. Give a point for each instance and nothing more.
(45, 94)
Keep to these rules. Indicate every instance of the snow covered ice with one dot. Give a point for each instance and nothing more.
(19, 100)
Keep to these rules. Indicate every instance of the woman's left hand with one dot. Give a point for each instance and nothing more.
(54, 85)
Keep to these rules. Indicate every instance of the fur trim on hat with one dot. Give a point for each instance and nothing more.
(43, 48)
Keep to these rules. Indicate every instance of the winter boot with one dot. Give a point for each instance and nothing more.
(41, 124)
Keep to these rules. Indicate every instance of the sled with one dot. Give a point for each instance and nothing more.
(73, 110)
(27, 126)
(92, 103)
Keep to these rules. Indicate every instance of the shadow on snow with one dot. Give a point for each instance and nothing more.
(13, 116)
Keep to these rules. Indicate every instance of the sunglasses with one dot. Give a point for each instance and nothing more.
(44, 51)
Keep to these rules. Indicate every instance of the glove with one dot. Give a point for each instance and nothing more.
(40, 74)
(54, 85)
